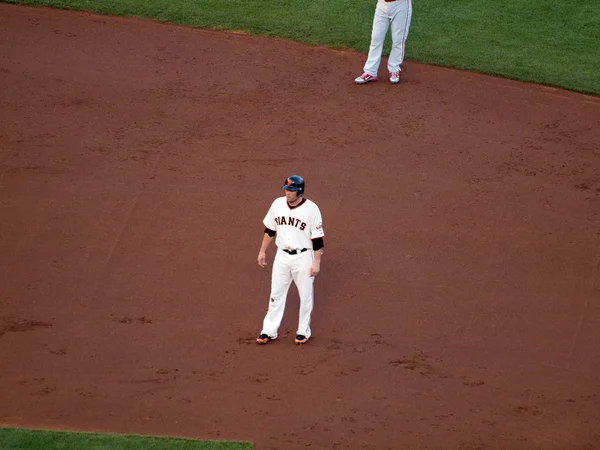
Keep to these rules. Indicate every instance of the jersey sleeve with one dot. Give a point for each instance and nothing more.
(316, 228)
(269, 220)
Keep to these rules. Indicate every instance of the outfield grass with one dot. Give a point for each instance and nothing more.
(542, 41)
(21, 439)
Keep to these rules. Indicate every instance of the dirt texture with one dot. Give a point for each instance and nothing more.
(458, 305)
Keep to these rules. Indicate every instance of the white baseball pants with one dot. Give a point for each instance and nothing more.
(396, 15)
(288, 268)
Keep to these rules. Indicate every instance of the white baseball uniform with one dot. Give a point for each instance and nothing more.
(295, 229)
(397, 15)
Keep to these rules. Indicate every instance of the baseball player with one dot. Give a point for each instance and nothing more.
(388, 13)
(296, 225)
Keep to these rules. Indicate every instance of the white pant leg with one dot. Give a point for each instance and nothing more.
(281, 279)
(304, 283)
(381, 24)
(400, 23)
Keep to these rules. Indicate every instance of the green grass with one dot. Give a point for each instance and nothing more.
(542, 41)
(21, 439)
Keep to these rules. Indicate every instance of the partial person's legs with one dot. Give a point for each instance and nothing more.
(381, 24)
(280, 284)
(304, 283)
(400, 22)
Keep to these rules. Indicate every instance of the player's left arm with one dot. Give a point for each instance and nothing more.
(317, 234)
(315, 267)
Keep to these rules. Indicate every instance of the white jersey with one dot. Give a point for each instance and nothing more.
(295, 226)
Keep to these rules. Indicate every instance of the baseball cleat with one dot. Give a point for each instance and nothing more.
(264, 338)
(394, 77)
(301, 339)
(365, 78)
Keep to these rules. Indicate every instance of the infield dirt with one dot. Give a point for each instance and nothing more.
(458, 305)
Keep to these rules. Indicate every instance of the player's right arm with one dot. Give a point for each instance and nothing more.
(262, 253)
(270, 230)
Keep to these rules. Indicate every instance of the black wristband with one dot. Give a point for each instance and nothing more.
(318, 243)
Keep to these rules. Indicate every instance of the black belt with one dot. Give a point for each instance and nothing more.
(294, 252)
